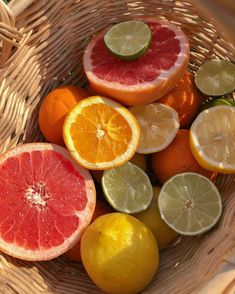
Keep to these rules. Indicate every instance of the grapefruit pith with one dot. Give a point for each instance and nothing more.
(46, 201)
(145, 79)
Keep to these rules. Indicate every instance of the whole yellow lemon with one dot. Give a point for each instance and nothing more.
(151, 217)
(119, 253)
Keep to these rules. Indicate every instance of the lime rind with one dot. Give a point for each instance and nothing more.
(216, 102)
(177, 192)
(127, 188)
(128, 40)
(216, 77)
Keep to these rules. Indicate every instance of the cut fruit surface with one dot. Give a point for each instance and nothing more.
(216, 77)
(145, 79)
(159, 125)
(46, 201)
(100, 133)
(190, 204)
(212, 137)
(127, 188)
(128, 40)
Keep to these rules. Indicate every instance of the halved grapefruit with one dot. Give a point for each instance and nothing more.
(46, 201)
(145, 79)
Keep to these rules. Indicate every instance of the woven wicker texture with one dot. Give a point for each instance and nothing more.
(41, 46)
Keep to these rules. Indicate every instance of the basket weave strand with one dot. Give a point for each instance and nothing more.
(41, 46)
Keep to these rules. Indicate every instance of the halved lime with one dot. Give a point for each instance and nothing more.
(127, 188)
(216, 77)
(128, 40)
(190, 204)
(215, 102)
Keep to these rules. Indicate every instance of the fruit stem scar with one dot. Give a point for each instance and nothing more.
(37, 195)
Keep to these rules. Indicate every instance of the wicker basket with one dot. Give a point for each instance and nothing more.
(41, 46)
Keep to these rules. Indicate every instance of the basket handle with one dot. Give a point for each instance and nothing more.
(9, 35)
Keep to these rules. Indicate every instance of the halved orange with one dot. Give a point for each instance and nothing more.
(100, 133)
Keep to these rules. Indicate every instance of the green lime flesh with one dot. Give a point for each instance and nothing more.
(128, 40)
(216, 77)
(127, 188)
(190, 204)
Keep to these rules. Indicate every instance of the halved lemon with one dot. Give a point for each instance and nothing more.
(212, 137)
(100, 133)
(159, 125)
(190, 204)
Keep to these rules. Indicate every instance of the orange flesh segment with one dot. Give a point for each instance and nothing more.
(100, 133)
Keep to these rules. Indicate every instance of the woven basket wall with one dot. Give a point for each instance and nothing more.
(41, 46)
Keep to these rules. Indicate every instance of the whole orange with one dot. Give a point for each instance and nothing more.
(54, 109)
(101, 208)
(185, 99)
(177, 158)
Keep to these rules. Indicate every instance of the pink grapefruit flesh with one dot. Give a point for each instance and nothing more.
(46, 201)
(145, 79)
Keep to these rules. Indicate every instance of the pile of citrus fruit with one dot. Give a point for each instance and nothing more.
(131, 160)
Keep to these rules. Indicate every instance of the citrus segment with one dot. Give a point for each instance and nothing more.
(127, 188)
(216, 77)
(46, 201)
(100, 133)
(158, 124)
(212, 137)
(128, 40)
(190, 204)
(145, 79)
(119, 253)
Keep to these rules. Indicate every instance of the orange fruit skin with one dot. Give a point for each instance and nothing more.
(185, 99)
(100, 209)
(54, 109)
(177, 158)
